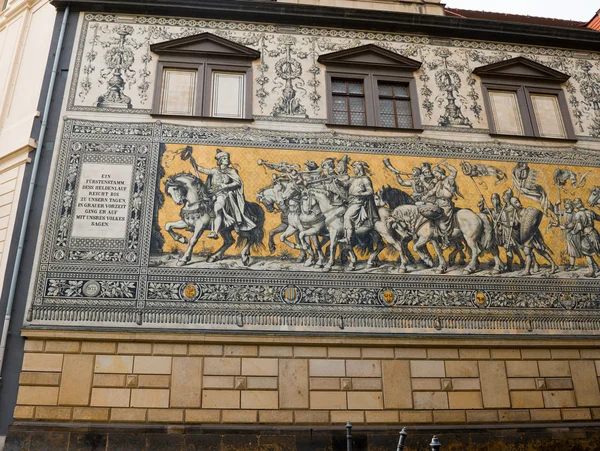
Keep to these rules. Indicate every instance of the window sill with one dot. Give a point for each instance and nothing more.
(203, 118)
(533, 138)
(374, 127)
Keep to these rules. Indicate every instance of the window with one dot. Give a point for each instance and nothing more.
(348, 102)
(394, 105)
(203, 76)
(178, 91)
(228, 96)
(371, 86)
(525, 98)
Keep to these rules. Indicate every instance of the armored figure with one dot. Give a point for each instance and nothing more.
(526, 222)
(495, 212)
(227, 189)
(573, 240)
(589, 238)
(361, 205)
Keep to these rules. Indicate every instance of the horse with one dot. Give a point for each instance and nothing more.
(270, 197)
(386, 199)
(307, 223)
(393, 197)
(367, 238)
(197, 215)
(594, 199)
(474, 228)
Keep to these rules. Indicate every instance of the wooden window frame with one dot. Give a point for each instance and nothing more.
(412, 95)
(205, 53)
(528, 118)
(525, 77)
(370, 81)
(205, 68)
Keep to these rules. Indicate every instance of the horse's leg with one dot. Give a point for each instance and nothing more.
(372, 261)
(332, 249)
(199, 229)
(409, 256)
(320, 243)
(285, 235)
(453, 254)
(228, 241)
(304, 239)
(245, 254)
(462, 258)
(421, 249)
(316, 245)
(280, 228)
(303, 254)
(473, 245)
(442, 265)
(386, 233)
(181, 224)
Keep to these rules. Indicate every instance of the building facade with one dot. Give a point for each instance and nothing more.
(265, 219)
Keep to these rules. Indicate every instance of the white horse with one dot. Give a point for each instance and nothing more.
(474, 228)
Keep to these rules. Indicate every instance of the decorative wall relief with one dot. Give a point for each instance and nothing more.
(118, 60)
(249, 229)
(289, 69)
(114, 62)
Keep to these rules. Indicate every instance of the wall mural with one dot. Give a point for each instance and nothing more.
(352, 212)
(115, 69)
(168, 226)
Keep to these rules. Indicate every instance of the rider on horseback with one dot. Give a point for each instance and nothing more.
(227, 189)
(443, 193)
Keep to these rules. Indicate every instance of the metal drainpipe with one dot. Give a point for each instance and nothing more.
(34, 171)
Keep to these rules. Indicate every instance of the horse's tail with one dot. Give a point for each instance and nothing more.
(256, 235)
(487, 238)
(366, 243)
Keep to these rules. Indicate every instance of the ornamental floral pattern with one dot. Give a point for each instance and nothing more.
(115, 69)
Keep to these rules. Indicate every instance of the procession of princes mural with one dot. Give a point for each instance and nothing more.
(369, 213)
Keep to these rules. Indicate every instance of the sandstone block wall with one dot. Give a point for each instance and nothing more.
(138, 378)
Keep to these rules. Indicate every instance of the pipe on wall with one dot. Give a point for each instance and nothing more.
(30, 191)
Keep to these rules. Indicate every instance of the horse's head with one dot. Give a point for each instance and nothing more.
(269, 196)
(594, 198)
(176, 189)
(402, 220)
(290, 190)
(394, 197)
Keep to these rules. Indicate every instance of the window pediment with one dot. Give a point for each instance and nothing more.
(205, 44)
(521, 68)
(370, 55)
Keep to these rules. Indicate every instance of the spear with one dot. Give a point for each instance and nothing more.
(484, 202)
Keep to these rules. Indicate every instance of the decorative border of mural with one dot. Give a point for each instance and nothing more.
(95, 291)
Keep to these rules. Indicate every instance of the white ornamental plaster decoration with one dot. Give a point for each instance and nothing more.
(115, 69)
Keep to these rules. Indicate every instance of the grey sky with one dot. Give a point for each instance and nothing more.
(582, 10)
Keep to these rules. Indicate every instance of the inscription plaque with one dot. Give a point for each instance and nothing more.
(102, 201)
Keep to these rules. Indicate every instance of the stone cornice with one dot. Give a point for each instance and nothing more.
(307, 339)
(298, 14)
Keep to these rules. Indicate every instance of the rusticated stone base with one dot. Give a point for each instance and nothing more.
(55, 437)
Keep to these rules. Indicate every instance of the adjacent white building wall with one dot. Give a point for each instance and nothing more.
(25, 35)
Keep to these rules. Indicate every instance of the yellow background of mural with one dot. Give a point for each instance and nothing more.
(256, 177)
